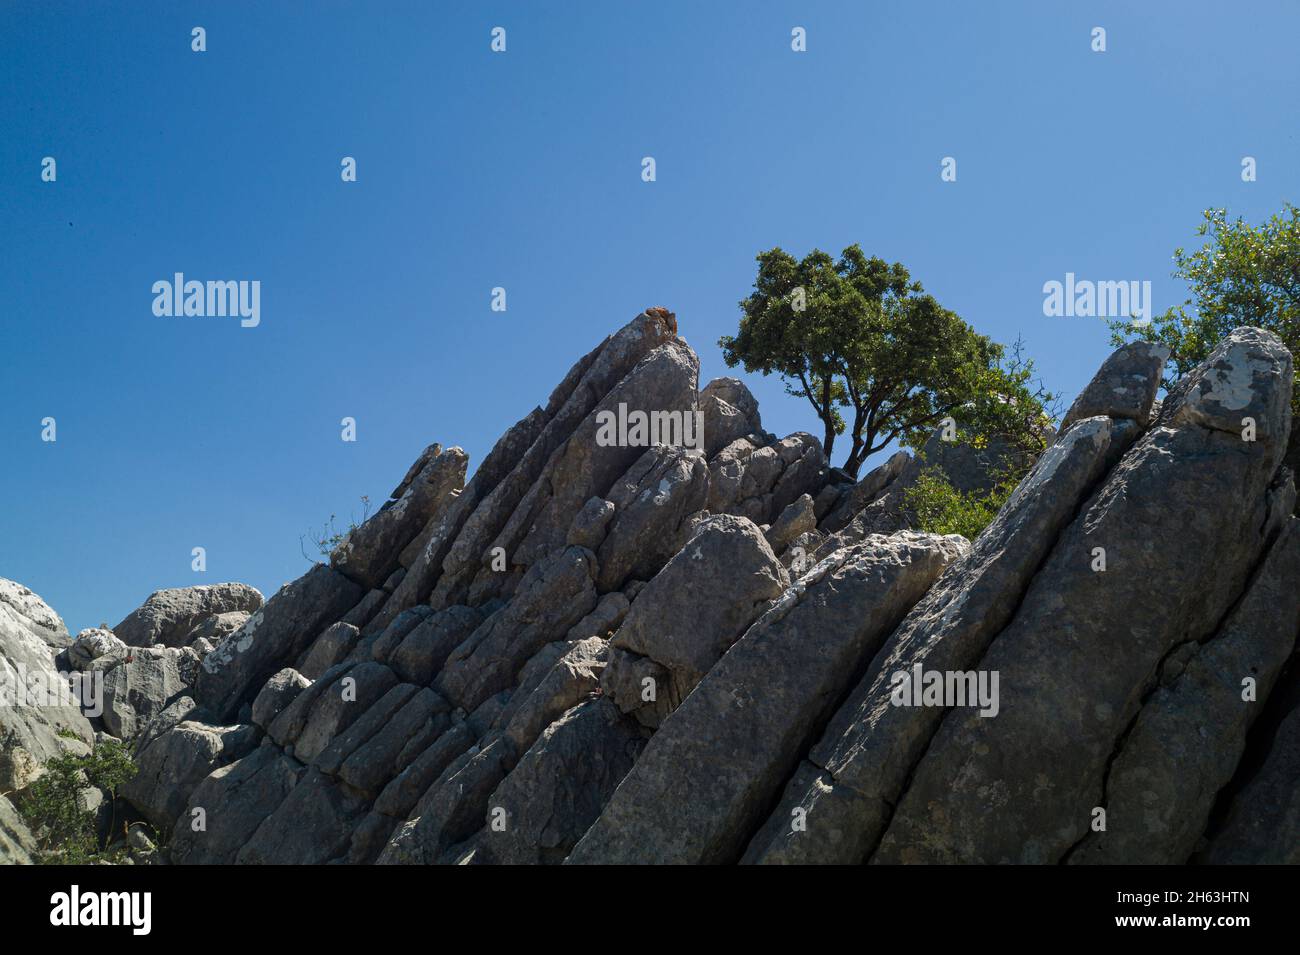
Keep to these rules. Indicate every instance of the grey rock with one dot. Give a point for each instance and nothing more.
(139, 682)
(276, 694)
(554, 595)
(870, 745)
(334, 710)
(422, 653)
(230, 804)
(573, 678)
(168, 616)
(174, 764)
(273, 638)
(796, 520)
(452, 810)
(217, 627)
(710, 773)
(90, 645)
(1124, 387)
(23, 609)
(565, 450)
(17, 844)
(370, 553)
(331, 647)
(31, 730)
(1084, 644)
(1263, 820)
(653, 502)
(1190, 735)
(697, 607)
(560, 785)
(313, 825)
(591, 523)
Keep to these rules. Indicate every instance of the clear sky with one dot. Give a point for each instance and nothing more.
(522, 169)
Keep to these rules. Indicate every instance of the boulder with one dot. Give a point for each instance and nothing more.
(174, 764)
(139, 682)
(1124, 387)
(217, 627)
(168, 616)
(90, 645)
(276, 694)
(695, 609)
(38, 711)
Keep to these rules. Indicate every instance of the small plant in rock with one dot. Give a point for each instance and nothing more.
(328, 537)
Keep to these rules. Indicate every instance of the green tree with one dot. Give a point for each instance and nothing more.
(1243, 275)
(858, 337)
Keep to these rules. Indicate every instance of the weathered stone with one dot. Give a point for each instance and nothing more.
(570, 681)
(560, 785)
(421, 720)
(330, 648)
(139, 682)
(370, 553)
(653, 501)
(554, 595)
(710, 773)
(273, 638)
(1263, 821)
(1124, 387)
(90, 645)
(17, 844)
(313, 825)
(277, 693)
(217, 627)
(423, 651)
(175, 763)
(168, 616)
(737, 394)
(335, 710)
(1084, 644)
(1190, 734)
(590, 524)
(404, 791)
(602, 376)
(232, 803)
(696, 607)
(870, 745)
(452, 810)
(31, 730)
(22, 609)
(797, 519)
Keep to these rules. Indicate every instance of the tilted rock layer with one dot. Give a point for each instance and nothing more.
(598, 652)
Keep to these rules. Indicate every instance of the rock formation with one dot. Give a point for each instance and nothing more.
(606, 652)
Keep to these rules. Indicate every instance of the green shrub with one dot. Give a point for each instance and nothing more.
(65, 832)
(942, 509)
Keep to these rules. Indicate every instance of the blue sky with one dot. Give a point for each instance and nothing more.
(522, 170)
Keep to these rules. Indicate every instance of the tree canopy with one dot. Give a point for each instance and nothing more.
(857, 337)
(1242, 275)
